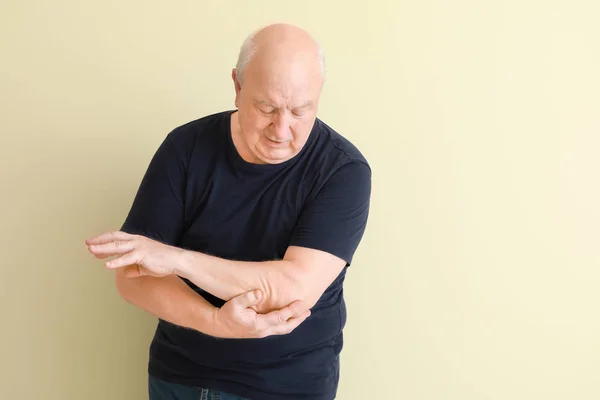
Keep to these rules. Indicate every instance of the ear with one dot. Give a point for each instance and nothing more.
(237, 86)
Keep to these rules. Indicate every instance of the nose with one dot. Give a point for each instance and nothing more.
(280, 128)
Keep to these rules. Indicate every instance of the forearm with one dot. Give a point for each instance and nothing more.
(170, 299)
(278, 280)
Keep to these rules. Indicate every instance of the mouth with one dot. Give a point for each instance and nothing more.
(274, 143)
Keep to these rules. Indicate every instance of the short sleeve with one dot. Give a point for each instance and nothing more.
(334, 221)
(157, 211)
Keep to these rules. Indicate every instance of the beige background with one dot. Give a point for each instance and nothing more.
(478, 276)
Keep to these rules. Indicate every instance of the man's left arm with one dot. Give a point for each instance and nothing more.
(322, 244)
(303, 274)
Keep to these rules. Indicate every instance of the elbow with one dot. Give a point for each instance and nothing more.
(290, 286)
(302, 285)
(305, 295)
(309, 298)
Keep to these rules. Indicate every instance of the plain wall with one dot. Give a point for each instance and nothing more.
(478, 276)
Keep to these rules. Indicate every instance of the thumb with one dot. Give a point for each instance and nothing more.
(248, 299)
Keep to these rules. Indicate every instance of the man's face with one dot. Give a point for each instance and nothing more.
(276, 111)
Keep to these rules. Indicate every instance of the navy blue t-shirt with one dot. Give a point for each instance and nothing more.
(199, 194)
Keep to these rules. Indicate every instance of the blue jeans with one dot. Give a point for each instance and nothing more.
(161, 390)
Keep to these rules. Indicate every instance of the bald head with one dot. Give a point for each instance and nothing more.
(280, 46)
(278, 82)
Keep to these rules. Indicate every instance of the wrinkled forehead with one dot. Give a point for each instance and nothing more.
(290, 76)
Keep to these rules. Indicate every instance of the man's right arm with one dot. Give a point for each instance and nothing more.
(169, 299)
(157, 212)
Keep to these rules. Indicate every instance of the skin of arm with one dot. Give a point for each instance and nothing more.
(168, 298)
(303, 274)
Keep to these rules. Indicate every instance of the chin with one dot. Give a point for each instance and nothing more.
(275, 156)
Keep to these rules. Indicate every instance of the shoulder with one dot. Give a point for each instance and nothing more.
(192, 130)
(204, 132)
(335, 151)
(333, 162)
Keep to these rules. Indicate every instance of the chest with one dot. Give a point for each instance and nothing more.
(250, 219)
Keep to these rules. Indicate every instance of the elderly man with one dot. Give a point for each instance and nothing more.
(240, 235)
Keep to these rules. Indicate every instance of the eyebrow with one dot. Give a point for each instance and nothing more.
(267, 103)
(307, 104)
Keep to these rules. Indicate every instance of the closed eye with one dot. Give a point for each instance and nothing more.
(299, 112)
(266, 109)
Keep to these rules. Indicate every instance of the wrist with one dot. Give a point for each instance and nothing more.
(183, 262)
(203, 319)
(217, 328)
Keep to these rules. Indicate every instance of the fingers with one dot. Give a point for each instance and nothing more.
(298, 307)
(248, 299)
(283, 321)
(280, 316)
(123, 261)
(107, 249)
(278, 322)
(288, 326)
(109, 237)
